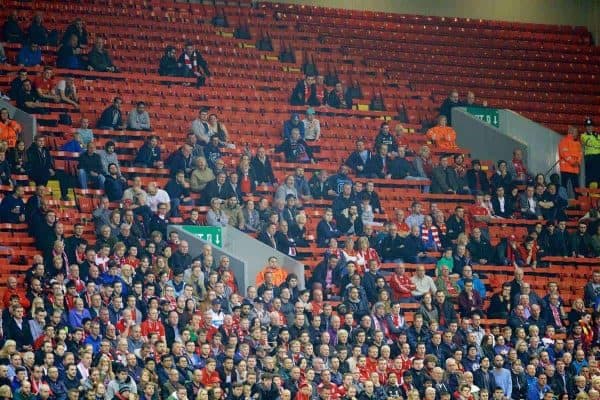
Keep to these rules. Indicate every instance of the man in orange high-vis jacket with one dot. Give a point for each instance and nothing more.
(569, 151)
(442, 135)
(279, 274)
(9, 129)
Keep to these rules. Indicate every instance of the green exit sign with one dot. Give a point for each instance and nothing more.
(488, 115)
(211, 234)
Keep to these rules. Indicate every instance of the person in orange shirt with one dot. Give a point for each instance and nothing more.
(9, 129)
(442, 135)
(569, 151)
(279, 274)
(45, 84)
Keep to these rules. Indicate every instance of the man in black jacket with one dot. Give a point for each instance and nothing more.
(168, 63)
(261, 167)
(112, 117)
(359, 159)
(480, 249)
(401, 168)
(446, 110)
(192, 64)
(90, 168)
(17, 329)
(41, 163)
(455, 225)
(305, 92)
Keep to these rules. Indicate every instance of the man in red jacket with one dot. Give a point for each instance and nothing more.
(401, 285)
(11, 289)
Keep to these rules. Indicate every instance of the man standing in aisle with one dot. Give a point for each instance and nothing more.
(569, 150)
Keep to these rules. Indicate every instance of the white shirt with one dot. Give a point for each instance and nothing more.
(531, 203)
(160, 197)
(501, 201)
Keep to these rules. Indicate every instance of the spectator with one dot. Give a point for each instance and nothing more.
(139, 119)
(442, 135)
(305, 93)
(156, 196)
(448, 104)
(77, 29)
(114, 184)
(192, 64)
(44, 86)
(39, 34)
(528, 204)
(267, 235)
(293, 123)
(301, 184)
(85, 133)
(217, 188)
(168, 63)
(312, 127)
(200, 126)
(28, 100)
(377, 103)
(178, 190)
(108, 156)
(337, 98)
(99, 59)
(149, 154)
(517, 168)
(16, 85)
(90, 168)
(112, 117)
(380, 164)
(444, 179)
(201, 176)
(181, 160)
(10, 130)
(359, 159)
(30, 55)
(11, 29)
(217, 128)
(401, 168)
(477, 178)
(461, 174)
(552, 205)
(502, 207)
(213, 154)
(69, 54)
(581, 242)
(66, 91)
(414, 251)
(234, 212)
(41, 163)
(295, 149)
(261, 166)
(75, 145)
(384, 136)
(12, 208)
(502, 177)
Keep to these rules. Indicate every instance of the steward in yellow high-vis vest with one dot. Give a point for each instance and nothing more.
(590, 141)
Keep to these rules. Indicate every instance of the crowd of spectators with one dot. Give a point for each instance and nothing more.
(132, 315)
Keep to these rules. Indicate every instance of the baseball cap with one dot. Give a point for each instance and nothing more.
(310, 111)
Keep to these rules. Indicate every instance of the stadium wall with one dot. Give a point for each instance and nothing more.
(561, 12)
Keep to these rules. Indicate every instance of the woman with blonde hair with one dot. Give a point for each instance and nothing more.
(9, 348)
(105, 369)
(365, 253)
